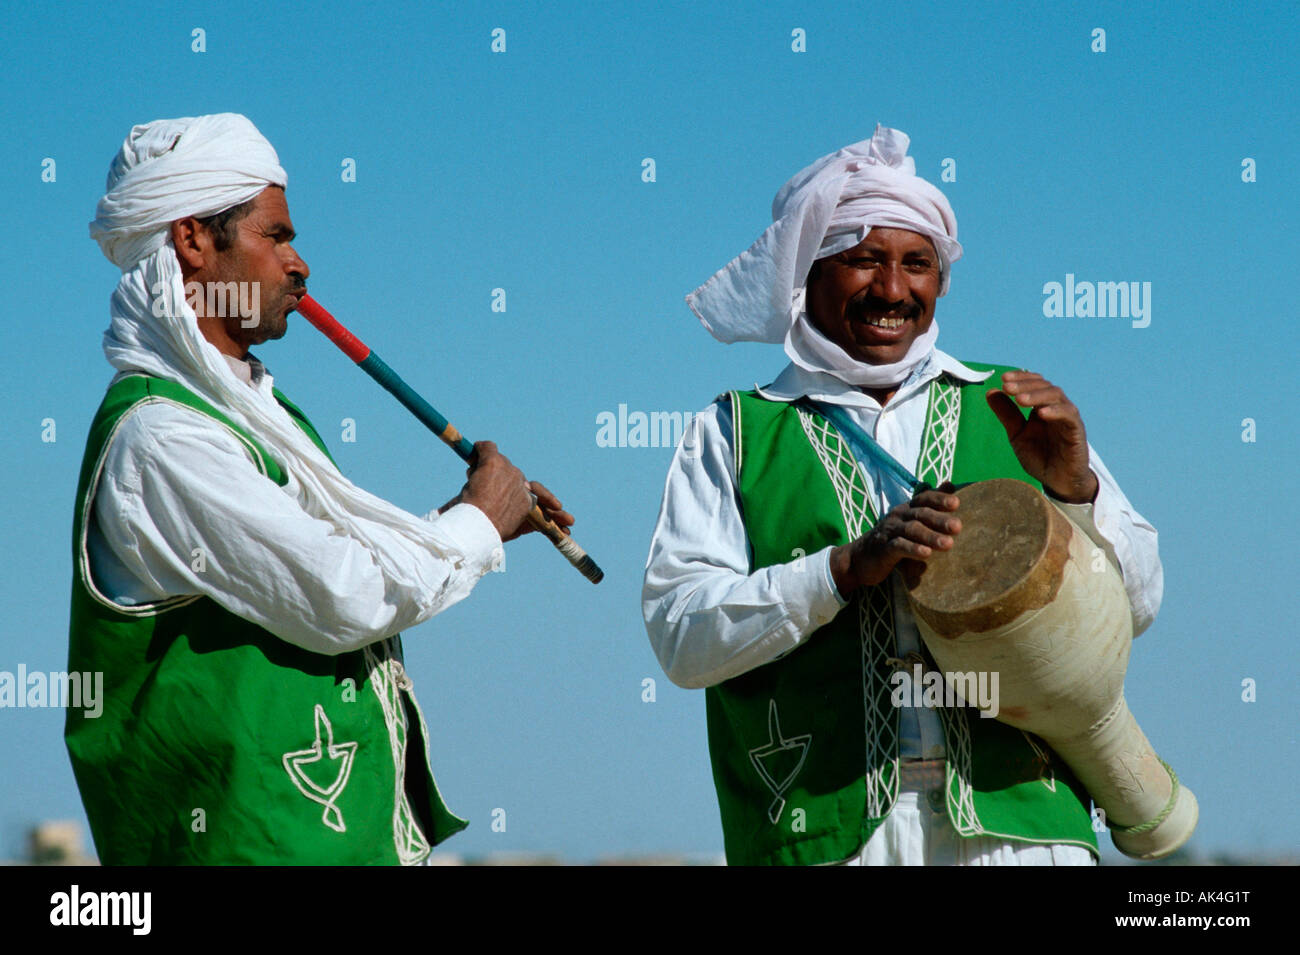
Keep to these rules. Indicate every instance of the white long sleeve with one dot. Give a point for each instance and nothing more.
(1129, 542)
(182, 509)
(710, 619)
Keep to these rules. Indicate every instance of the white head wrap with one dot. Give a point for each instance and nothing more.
(170, 169)
(827, 208)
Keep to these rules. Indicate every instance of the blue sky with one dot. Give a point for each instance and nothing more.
(522, 170)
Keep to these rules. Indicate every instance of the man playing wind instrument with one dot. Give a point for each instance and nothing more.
(242, 597)
(770, 576)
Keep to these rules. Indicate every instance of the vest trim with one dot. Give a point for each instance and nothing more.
(388, 679)
(83, 550)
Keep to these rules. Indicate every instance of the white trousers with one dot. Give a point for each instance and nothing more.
(918, 832)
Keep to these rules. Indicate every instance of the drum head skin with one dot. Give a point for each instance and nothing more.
(1008, 558)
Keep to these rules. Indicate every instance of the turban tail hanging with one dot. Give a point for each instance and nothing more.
(173, 168)
(827, 208)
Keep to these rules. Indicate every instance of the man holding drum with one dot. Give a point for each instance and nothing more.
(770, 576)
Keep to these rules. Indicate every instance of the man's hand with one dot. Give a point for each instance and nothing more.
(911, 531)
(498, 489)
(494, 486)
(552, 510)
(1051, 444)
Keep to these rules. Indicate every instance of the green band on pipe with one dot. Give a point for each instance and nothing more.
(375, 367)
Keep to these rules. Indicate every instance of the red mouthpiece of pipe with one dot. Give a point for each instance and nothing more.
(352, 346)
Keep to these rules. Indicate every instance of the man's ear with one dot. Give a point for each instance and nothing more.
(193, 243)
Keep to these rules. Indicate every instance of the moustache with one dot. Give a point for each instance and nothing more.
(871, 307)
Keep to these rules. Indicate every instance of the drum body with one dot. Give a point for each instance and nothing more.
(1025, 594)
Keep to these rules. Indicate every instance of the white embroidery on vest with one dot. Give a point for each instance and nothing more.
(295, 763)
(388, 679)
(777, 744)
(875, 616)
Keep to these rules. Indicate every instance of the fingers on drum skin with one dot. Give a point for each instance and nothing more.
(941, 520)
(904, 548)
(921, 533)
(931, 512)
(943, 498)
(938, 521)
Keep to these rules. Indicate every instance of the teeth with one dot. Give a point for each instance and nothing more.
(886, 322)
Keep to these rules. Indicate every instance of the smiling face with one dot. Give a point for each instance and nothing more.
(875, 299)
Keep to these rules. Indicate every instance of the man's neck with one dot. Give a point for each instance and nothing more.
(248, 369)
(214, 330)
(881, 395)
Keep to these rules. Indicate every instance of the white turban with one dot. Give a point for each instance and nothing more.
(826, 208)
(170, 169)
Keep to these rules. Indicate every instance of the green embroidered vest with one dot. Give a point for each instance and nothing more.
(805, 748)
(218, 742)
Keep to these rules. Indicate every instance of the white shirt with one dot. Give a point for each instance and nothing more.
(711, 618)
(180, 508)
